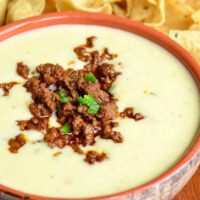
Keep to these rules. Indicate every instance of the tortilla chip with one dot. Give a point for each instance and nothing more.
(195, 27)
(190, 40)
(20, 9)
(84, 5)
(3, 8)
(111, 1)
(119, 11)
(178, 15)
(123, 8)
(50, 6)
(196, 17)
(196, 20)
(194, 3)
(150, 12)
(153, 2)
(158, 18)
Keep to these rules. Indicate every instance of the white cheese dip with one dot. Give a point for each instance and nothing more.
(153, 81)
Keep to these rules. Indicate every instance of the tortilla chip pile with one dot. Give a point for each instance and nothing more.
(180, 19)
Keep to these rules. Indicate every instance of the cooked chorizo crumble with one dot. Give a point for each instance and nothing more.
(7, 87)
(81, 100)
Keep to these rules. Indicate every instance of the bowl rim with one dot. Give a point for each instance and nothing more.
(128, 25)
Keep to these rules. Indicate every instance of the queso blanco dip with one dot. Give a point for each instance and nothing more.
(153, 81)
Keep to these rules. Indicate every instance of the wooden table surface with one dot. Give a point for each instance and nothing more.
(192, 190)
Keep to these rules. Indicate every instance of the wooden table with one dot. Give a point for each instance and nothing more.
(191, 190)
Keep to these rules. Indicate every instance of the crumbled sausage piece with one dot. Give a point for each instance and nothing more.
(90, 41)
(7, 87)
(128, 112)
(107, 55)
(88, 135)
(39, 110)
(82, 54)
(107, 75)
(94, 61)
(65, 111)
(41, 93)
(23, 70)
(78, 125)
(138, 116)
(77, 148)
(117, 137)
(107, 131)
(93, 156)
(83, 111)
(50, 73)
(32, 83)
(81, 81)
(95, 90)
(38, 124)
(55, 139)
(71, 81)
(107, 70)
(109, 110)
(16, 143)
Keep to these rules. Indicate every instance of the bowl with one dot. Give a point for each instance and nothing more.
(170, 183)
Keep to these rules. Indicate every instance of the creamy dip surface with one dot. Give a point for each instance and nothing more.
(153, 81)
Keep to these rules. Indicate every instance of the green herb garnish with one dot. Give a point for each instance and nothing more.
(89, 101)
(65, 129)
(93, 108)
(63, 97)
(86, 100)
(90, 77)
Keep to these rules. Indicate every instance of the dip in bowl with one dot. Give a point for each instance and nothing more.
(152, 150)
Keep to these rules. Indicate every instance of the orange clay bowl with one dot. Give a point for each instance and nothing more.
(170, 183)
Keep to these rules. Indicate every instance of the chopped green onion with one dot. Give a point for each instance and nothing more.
(63, 97)
(90, 77)
(65, 129)
(93, 108)
(81, 100)
(89, 101)
(86, 100)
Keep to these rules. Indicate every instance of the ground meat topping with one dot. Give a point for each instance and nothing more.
(107, 75)
(117, 137)
(33, 124)
(22, 70)
(79, 100)
(93, 156)
(95, 90)
(77, 148)
(107, 55)
(7, 87)
(89, 135)
(55, 139)
(39, 110)
(138, 116)
(109, 111)
(81, 52)
(16, 143)
(128, 112)
(50, 73)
